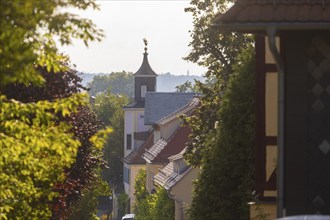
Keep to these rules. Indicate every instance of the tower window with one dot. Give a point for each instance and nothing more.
(129, 141)
(143, 91)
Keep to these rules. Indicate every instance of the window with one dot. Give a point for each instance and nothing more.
(126, 175)
(143, 90)
(129, 141)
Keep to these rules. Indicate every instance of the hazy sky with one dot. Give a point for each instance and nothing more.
(125, 23)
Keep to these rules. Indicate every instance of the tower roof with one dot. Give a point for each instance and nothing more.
(145, 69)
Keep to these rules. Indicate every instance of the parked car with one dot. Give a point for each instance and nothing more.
(128, 217)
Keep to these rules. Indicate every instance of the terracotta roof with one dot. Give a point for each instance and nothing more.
(176, 144)
(135, 157)
(284, 14)
(154, 150)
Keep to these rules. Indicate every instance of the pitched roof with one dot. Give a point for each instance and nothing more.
(161, 104)
(176, 144)
(145, 68)
(167, 177)
(187, 109)
(154, 150)
(256, 15)
(135, 157)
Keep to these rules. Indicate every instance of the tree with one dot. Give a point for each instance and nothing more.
(28, 29)
(151, 206)
(218, 52)
(225, 185)
(84, 125)
(142, 207)
(109, 109)
(219, 189)
(35, 149)
(36, 145)
(186, 87)
(86, 207)
(116, 83)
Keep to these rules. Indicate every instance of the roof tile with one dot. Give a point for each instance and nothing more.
(326, 14)
(316, 13)
(174, 146)
(160, 104)
(291, 13)
(267, 13)
(304, 10)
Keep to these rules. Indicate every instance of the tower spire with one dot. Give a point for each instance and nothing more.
(145, 45)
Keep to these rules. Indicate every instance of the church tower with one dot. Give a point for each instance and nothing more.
(135, 130)
(144, 79)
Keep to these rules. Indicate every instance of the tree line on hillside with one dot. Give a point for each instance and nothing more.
(123, 83)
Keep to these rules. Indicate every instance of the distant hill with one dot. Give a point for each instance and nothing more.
(166, 82)
(88, 77)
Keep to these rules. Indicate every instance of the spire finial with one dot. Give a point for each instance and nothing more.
(145, 44)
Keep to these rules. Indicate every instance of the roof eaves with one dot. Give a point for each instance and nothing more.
(168, 181)
(252, 27)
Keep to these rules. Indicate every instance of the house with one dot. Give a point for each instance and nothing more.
(177, 178)
(169, 137)
(293, 102)
(140, 126)
(165, 164)
(135, 131)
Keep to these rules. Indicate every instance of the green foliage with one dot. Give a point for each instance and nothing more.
(143, 200)
(218, 52)
(163, 207)
(86, 207)
(36, 145)
(226, 182)
(109, 109)
(151, 206)
(187, 87)
(122, 204)
(116, 83)
(35, 149)
(28, 30)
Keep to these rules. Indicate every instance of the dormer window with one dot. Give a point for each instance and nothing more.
(143, 91)
(179, 166)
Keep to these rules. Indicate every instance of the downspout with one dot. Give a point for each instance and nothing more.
(175, 200)
(271, 32)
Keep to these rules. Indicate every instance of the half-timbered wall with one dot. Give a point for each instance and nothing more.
(266, 115)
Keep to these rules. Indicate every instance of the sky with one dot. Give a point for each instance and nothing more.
(125, 23)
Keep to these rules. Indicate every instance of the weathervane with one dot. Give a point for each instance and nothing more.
(145, 44)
